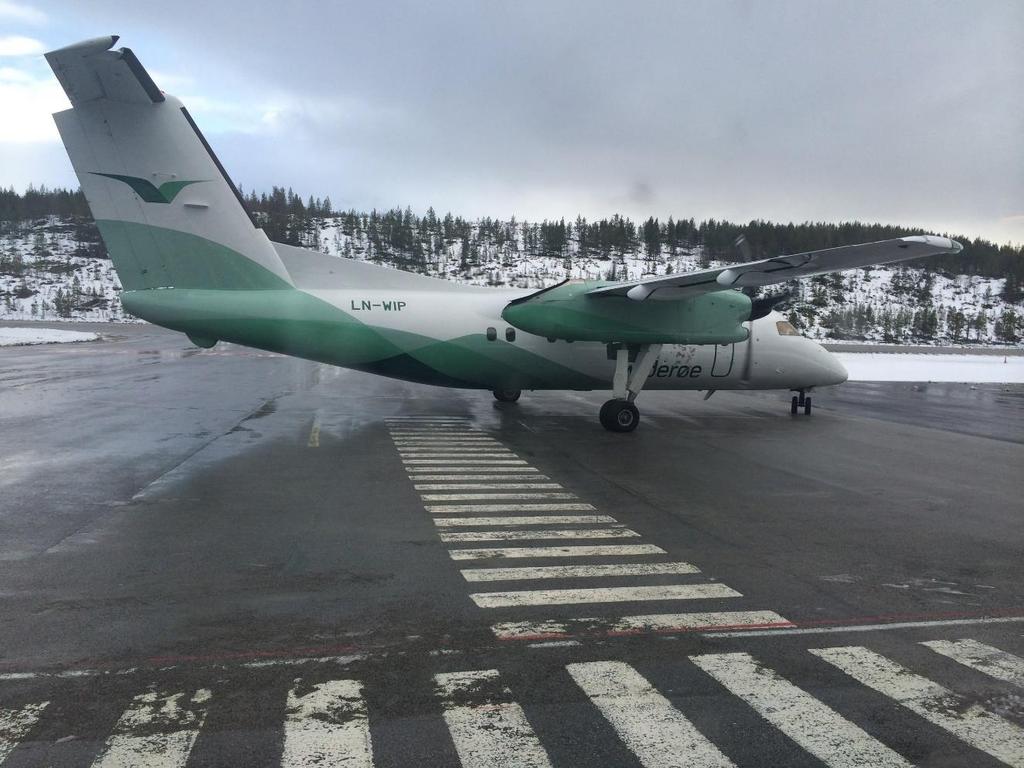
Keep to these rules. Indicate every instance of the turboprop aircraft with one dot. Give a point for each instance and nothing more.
(192, 259)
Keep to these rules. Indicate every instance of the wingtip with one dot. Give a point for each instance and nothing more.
(945, 243)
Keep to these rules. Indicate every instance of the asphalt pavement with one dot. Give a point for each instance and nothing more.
(228, 557)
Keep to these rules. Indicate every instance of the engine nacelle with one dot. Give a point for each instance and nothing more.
(569, 312)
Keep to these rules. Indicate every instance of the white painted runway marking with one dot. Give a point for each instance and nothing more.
(489, 730)
(976, 726)
(829, 630)
(155, 731)
(520, 478)
(817, 728)
(607, 550)
(482, 496)
(437, 432)
(602, 595)
(631, 625)
(416, 472)
(449, 522)
(326, 725)
(448, 509)
(575, 533)
(454, 462)
(485, 486)
(15, 725)
(656, 732)
(983, 658)
(445, 448)
(456, 454)
(472, 442)
(576, 571)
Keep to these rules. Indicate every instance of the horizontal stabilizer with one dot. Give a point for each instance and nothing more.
(90, 70)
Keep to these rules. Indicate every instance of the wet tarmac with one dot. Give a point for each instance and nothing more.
(235, 558)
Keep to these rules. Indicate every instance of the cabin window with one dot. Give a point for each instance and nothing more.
(786, 329)
(510, 334)
(492, 334)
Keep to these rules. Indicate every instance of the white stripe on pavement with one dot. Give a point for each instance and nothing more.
(155, 731)
(983, 658)
(483, 496)
(576, 571)
(448, 509)
(484, 486)
(519, 477)
(447, 447)
(488, 730)
(968, 722)
(607, 550)
(814, 726)
(602, 595)
(656, 732)
(843, 628)
(436, 431)
(454, 462)
(457, 454)
(449, 522)
(447, 442)
(575, 533)
(629, 625)
(15, 724)
(416, 472)
(326, 725)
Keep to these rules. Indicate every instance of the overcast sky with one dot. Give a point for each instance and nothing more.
(906, 112)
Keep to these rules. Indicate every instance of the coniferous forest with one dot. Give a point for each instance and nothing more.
(45, 231)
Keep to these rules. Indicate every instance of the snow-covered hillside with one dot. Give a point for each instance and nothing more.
(55, 268)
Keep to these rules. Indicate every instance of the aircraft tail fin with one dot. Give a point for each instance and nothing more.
(168, 213)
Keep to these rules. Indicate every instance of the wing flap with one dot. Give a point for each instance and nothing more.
(780, 269)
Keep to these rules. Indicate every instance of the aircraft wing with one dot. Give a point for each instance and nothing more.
(779, 269)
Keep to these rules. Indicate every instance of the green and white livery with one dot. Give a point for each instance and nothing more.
(190, 258)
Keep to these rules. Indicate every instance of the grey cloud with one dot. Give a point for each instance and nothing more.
(904, 112)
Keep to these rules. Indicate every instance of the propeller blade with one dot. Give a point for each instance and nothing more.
(761, 307)
(744, 247)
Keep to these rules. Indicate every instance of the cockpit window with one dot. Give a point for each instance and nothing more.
(786, 329)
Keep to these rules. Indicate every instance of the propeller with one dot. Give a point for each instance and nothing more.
(760, 306)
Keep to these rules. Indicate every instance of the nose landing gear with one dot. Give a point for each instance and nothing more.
(803, 401)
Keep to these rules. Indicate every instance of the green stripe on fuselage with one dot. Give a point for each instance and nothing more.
(295, 323)
(208, 291)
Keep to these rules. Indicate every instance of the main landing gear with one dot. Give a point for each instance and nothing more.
(620, 414)
(507, 395)
(803, 401)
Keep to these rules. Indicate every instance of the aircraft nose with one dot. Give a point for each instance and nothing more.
(834, 370)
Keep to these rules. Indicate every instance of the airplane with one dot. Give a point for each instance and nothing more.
(191, 258)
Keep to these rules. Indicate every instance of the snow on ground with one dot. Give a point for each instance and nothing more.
(973, 369)
(14, 337)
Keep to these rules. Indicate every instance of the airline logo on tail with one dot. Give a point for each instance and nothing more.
(165, 193)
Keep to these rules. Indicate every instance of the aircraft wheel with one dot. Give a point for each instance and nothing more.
(507, 395)
(807, 406)
(619, 416)
(794, 405)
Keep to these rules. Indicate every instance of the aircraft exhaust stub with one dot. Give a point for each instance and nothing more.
(568, 313)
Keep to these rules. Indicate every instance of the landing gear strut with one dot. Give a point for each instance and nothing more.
(803, 401)
(507, 395)
(620, 414)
